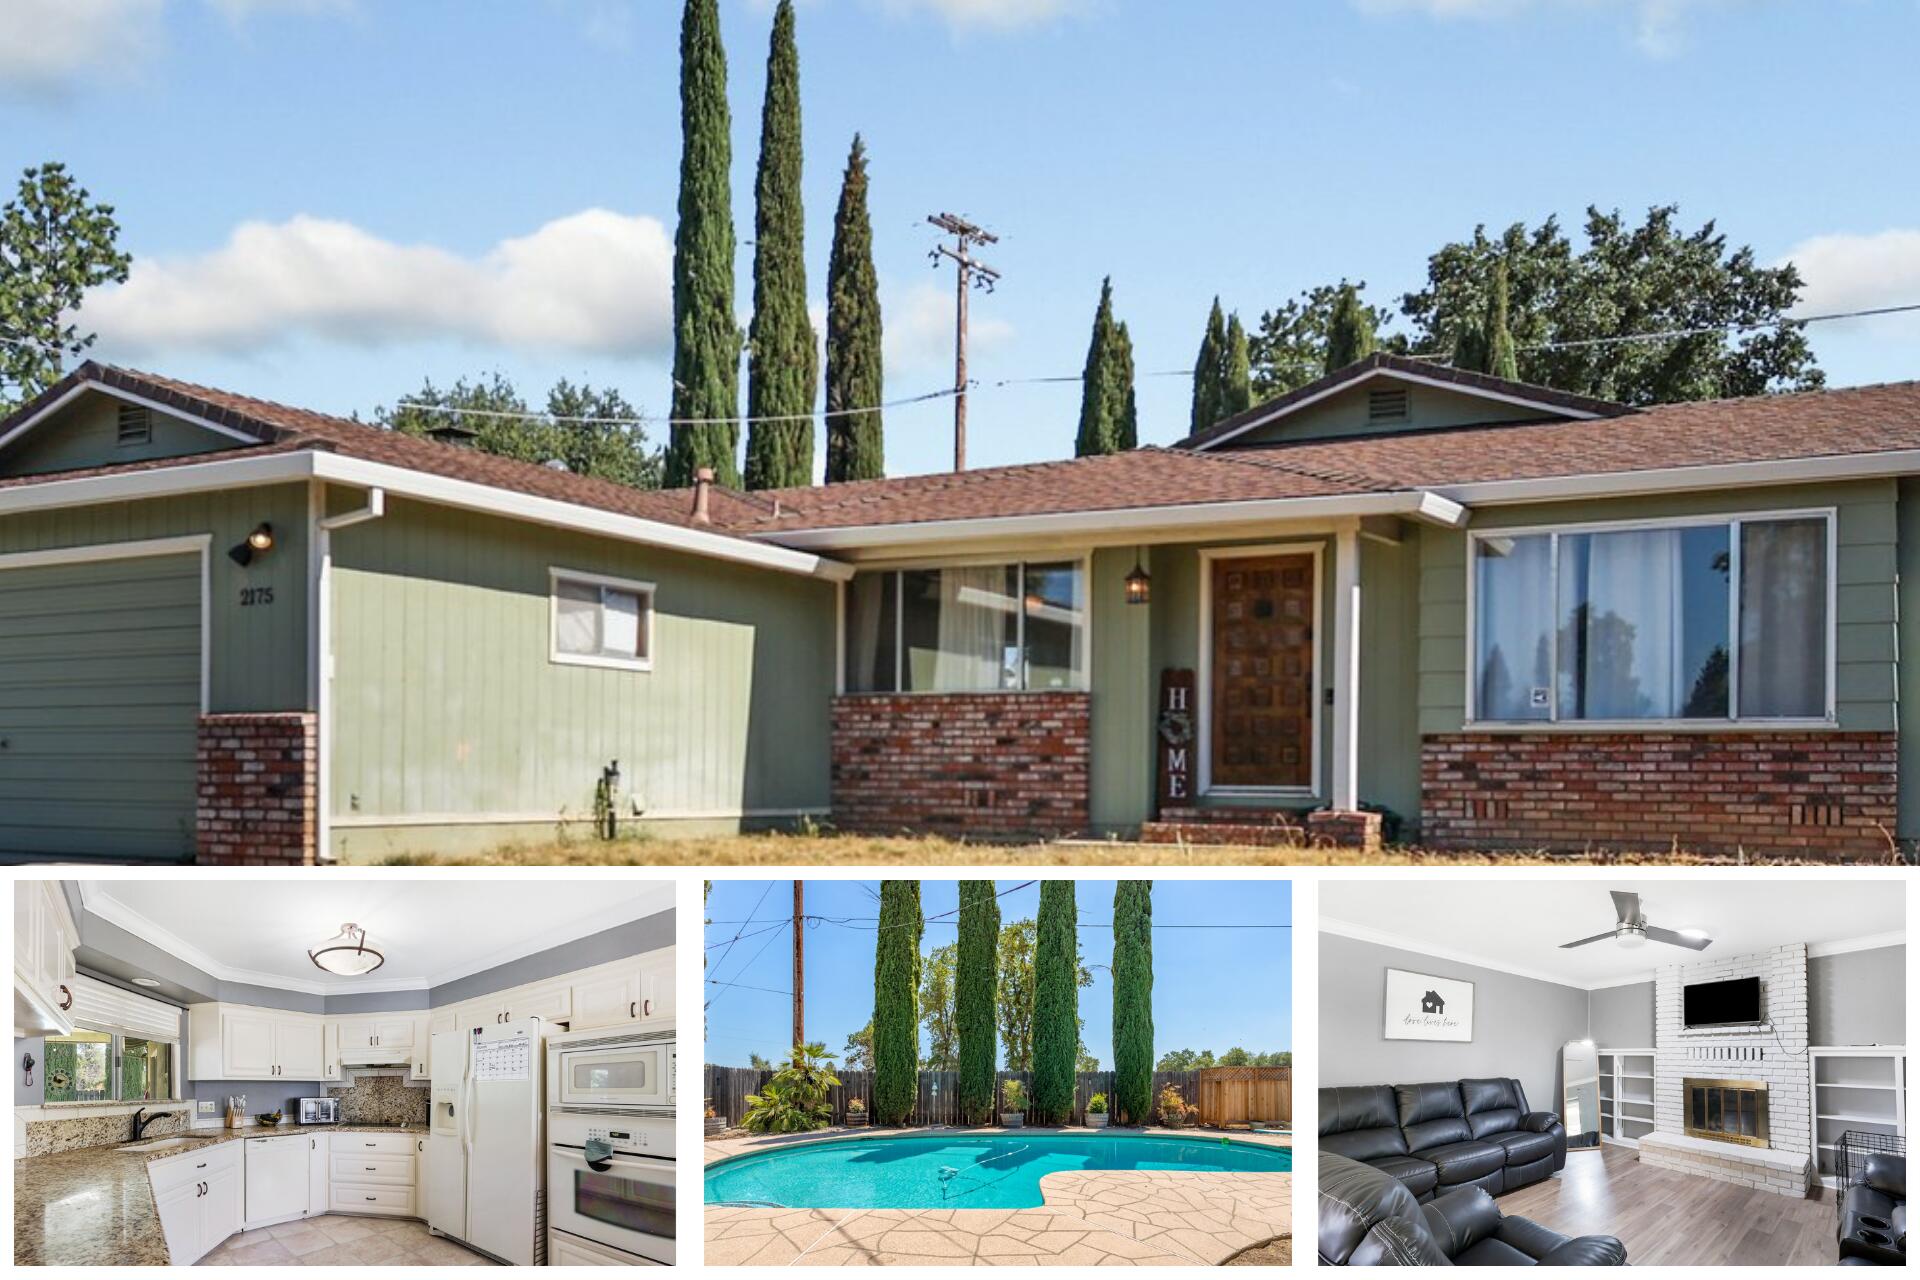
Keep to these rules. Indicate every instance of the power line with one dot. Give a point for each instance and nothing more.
(640, 421)
(1666, 335)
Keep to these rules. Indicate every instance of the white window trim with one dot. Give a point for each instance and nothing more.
(645, 590)
(1732, 722)
(119, 1037)
(1082, 559)
(1203, 682)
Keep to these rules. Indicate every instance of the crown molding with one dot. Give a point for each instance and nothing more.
(96, 898)
(1872, 942)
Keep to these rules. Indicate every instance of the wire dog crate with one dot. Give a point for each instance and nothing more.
(1850, 1159)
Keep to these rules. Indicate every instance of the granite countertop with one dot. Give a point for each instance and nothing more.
(93, 1206)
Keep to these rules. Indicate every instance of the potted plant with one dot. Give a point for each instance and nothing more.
(1173, 1108)
(1013, 1105)
(856, 1114)
(716, 1123)
(1097, 1111)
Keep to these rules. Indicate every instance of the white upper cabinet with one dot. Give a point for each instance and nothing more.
(636, 990)
(44, 938)
(300, 1048)
(246, 1041)
(240, 1042)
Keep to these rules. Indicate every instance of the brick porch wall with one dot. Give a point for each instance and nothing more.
(1816, 795)
(258, 790)
(985, 765)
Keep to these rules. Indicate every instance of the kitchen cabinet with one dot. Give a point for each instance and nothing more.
(44, 938)
(636, 990)
(240, 1042)
(564, 1250)
(319, 1174)
(376, 1173)
(551, 1001)
(200, 1197)
(394, 1032)
(277, 1173)
(422, 1056)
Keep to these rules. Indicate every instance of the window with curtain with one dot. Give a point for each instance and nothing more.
(602, 621)
(1696, 621)
(966, 628)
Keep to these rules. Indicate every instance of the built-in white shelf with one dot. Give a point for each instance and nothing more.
(1855, 1087)
(1626, 1095)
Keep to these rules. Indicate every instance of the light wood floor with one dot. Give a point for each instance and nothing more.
(1677, 1219)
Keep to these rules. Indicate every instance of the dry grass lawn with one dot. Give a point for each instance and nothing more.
(864, 851)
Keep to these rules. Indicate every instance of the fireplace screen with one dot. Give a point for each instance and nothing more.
(1728, 1111)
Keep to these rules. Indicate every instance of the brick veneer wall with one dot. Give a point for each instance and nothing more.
(989, 765)
(1776, 1053)
(258, 789)
(1811, 794)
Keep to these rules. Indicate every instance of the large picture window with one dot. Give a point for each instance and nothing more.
(107, 1066)
(1708, 620)
(967, 629)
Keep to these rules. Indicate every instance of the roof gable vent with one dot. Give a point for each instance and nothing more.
(1388, 405)
(135, 425)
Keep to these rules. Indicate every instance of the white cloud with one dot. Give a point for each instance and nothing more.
(997, 14)
(917, 330)
(1851, 272)
(1659, 25)
(48, 46)
(595, 282)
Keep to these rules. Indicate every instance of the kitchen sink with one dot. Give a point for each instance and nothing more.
(165, 1144)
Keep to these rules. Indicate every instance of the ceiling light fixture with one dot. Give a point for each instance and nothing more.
(145, 982)
(347, 953)
(1139, 582)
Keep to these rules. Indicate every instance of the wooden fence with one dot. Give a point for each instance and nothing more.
(1242, 1094)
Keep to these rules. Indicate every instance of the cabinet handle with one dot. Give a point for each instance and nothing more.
(649, 1008)
(371, 1197)
(370, 1169)
(68, 1002)
(200, 1166)
(630, 1012)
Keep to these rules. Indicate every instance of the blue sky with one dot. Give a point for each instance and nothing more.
(329, 199)
(1213, 987)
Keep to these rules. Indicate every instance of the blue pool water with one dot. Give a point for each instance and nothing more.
(962, 1171)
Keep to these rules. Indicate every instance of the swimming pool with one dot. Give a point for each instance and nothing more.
(960, 1170)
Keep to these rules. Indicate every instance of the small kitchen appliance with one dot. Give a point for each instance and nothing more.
(319, 1111)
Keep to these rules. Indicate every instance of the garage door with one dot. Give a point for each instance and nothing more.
(99, 700)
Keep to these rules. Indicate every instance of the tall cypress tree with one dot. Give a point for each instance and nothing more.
(1106, 382)
(1056, 1001)
(783, 364)
(855, 441)
(975, 979)
(1133, 1000)
(1206, 370)
(1502, 357)
(1127, 433)
(706, 341)
(896, 1002)
(1349, 330)
(1236, 371)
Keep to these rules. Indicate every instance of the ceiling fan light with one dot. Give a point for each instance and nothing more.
(1629, 939)
(347, 954)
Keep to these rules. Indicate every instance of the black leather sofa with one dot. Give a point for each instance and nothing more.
(1873, 1215)
(1435, 1137)
(1370, 1219)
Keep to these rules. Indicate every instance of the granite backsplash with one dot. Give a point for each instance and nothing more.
(381, 1099)
(70, 1133)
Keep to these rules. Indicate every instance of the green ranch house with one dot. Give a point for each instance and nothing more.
(1485, 614)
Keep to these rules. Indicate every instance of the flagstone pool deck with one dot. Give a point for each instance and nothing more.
(1157, 1218)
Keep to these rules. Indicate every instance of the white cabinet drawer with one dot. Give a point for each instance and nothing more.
(371, 1144)
(373, 1167)
(367, 1198)
(192, 1166)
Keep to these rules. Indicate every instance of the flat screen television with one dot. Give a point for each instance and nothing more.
(1721, 1004)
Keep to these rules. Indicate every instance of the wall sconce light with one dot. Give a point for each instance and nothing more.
(1139, 582)
(259, 542)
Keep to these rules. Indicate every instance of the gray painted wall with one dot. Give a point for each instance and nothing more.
(1857, 997)
(649, 933)
(1622, 1017)
(1518, 1027)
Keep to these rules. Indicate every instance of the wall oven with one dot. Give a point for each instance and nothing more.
(610, 1180)
(627, 1071)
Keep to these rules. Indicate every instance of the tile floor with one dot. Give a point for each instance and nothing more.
(336, 1240)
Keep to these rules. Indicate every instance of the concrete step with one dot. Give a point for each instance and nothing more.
(1260, 828)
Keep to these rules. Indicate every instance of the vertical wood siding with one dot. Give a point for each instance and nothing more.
(87, 434)
(259, 651)
(445, 701)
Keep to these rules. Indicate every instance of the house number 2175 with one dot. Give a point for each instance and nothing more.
(250, 596)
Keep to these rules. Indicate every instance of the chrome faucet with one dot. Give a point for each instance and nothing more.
(140, 1122)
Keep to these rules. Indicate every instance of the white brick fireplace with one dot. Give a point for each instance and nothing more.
(1774, 1053)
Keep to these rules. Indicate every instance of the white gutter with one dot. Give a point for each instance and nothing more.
(320, 675)
(1415, 504)
(1847, 466)
(305, 465)
(375, 508)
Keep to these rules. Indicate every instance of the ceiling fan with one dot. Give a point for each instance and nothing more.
(1632, 929)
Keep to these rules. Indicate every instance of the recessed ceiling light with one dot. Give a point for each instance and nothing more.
(146, 982)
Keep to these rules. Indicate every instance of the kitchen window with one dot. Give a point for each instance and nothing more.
(1696, 621)
(601, 622)
(967, 628)
(107, 1066)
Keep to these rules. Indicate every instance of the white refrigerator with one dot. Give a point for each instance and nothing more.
(486, 1158)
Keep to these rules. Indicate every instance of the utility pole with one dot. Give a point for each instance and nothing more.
(799, 964)
(969, 273)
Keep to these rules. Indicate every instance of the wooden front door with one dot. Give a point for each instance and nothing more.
(1262, 695)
